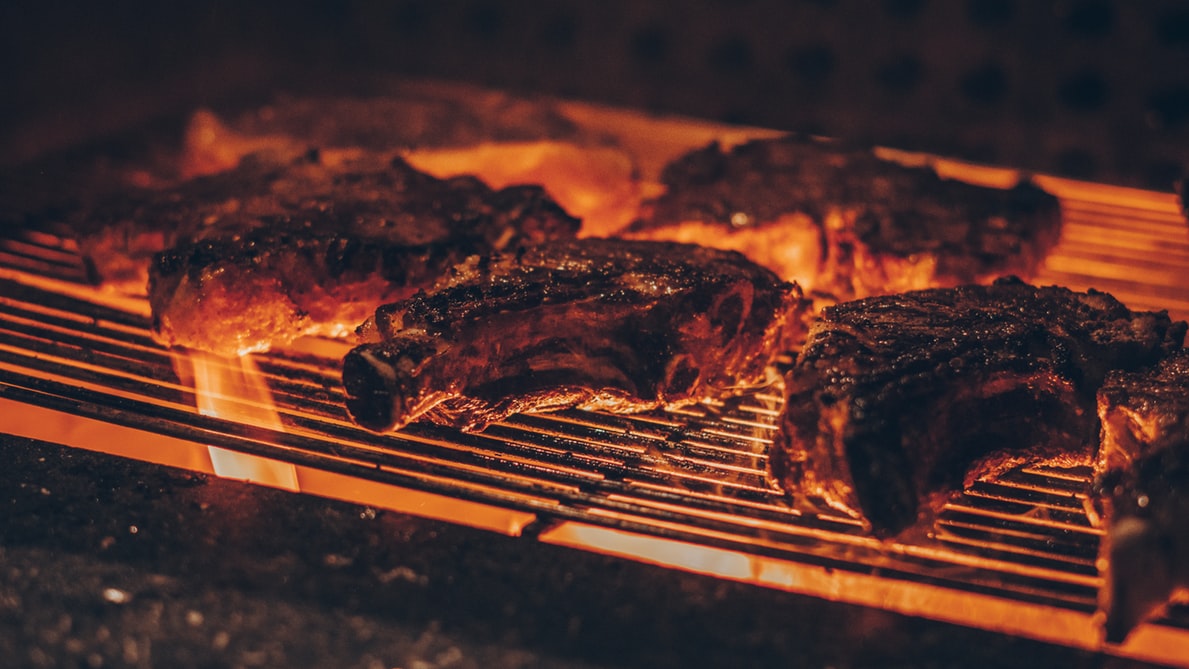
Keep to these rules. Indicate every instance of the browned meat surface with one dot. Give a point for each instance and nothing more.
(608, 324)
(95, 193)
(1142, 491)
(498, 138)
(842, 221)
(271, 251)
(410, 116)
(895, 402)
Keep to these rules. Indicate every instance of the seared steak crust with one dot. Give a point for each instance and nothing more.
(609, 324)
(842, 220)
(268, 252)
(897, 401)
(1141, 486)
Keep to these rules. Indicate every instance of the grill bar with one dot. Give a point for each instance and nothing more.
(685, 488)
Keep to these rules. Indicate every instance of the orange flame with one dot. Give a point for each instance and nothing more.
(234, 388)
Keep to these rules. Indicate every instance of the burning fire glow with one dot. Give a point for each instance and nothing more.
(234, 388)
(1098, 249)
(598, 184)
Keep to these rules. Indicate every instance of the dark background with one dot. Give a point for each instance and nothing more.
(105, 562)
(1084, 88)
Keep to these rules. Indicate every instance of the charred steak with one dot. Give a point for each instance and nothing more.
(1142, 490)
(897, 401)
(843, 221)
(268, 252)
(608, 324)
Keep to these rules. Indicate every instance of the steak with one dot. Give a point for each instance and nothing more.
(897, 401)
(840, 220)
(1141, 491)
(96, 193)
(616, 325)
(411, 116)
(270, 251)
(499, 138)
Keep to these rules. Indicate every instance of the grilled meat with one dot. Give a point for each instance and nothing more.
(841, 220)
(598, 184)
(412, 116)
(96, 193)
(1141, 491)
(271, 251)
(500, 139)
(897, 401)
(608, 324)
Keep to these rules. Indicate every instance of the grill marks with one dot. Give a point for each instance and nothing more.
(610, 324)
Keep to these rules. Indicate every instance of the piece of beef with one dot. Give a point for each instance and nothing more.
(271, 251)
(408, 117)
(498, 138)
(841, 220)
(605, 324)
(92, 192)
(1141, 491)
(897, 401)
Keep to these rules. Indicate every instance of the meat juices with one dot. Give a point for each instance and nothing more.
(268, 252)
(842, 221)
(1142, 475)
(604, 324)
(895, 402)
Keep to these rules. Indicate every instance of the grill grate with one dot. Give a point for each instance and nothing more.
(683, 488)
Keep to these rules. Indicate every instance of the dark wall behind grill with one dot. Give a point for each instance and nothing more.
(1084, 88)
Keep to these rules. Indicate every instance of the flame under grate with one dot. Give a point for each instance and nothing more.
(683, 488)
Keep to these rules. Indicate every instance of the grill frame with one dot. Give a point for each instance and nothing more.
(685, 489)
